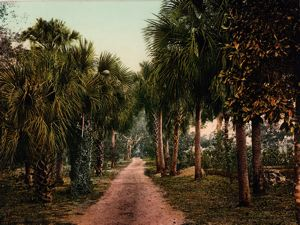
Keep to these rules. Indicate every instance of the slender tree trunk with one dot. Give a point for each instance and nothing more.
(220, 118)
(59, 169)
(258, 180)
(156, 131)
(113, 149)
(227, 147)
(167, 154)
(128, 153)
(100, 158)
(173, 171)
(157, 159)
(160, 146)
(198, 173)
(297, 158)
(244, 189)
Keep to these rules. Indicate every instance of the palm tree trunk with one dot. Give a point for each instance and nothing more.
(59, 169)
(258, 181)
(244, 189)
(160, 145)
(100, 159)
(173, 171)
(157, 159)
(156, 131)
(113, 149)
(43, 180)
(167, 154)
(297, 159)
(198, 173)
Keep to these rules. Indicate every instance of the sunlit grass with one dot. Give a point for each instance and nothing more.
(214, 201)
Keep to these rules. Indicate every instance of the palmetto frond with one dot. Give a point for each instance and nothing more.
(51, 34)
(43, 94)
(181, 41)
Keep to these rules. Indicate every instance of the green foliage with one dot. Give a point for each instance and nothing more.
(277, 150)
(55, 93)
(182, 41)
(215, 154)
(185, 153)
(260, 69)
(277, 147)
(52, 34)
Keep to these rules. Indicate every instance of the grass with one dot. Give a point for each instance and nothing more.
(17, 205)
(213, 201)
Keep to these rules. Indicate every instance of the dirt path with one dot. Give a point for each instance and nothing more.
(132, 199)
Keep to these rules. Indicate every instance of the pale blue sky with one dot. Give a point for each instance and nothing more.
(114, 26)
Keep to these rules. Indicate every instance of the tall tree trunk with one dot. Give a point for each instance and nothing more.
(128, 148)
(160, 145)
(167, 153)
(157, 160)
(43, 180)
(156, 131)
(297, 158)
(81, 160)
(173, 171)
(100, 158)
(227, 147)
(258, 180)
(59, 168)
(198, 173)
(220, 118)
(244, 189)
(113, 149)
(129, 152)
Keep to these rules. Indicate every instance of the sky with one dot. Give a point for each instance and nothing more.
(112, 25)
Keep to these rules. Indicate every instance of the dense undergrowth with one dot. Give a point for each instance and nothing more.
(214, 200)
(19, 206)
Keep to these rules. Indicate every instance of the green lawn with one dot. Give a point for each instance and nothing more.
(214, 201)
(17, 205)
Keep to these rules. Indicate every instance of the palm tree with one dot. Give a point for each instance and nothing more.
(182, 45)
(51, 35)
(81, 59)
(117, 89)
(153, 109)
(32, 117)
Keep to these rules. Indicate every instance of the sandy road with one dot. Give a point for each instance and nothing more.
(132, 199)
